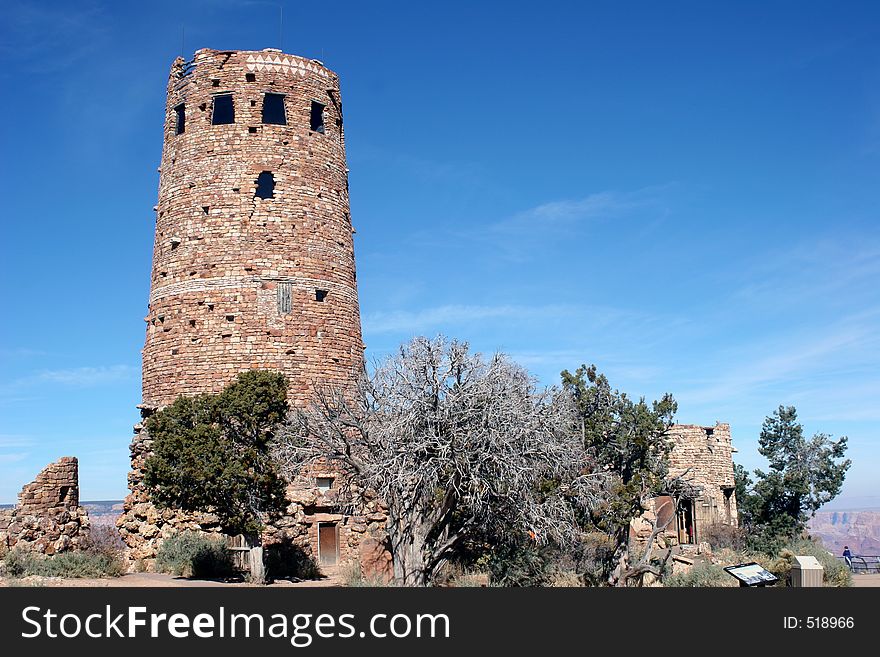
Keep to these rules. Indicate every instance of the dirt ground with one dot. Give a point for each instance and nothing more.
(165, 581)
(866, 580)
(160, 580)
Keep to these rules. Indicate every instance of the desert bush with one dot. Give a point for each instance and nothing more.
(79, 563)
(701, 574)
(352, 576)
(460, 575)
(720, 536)
(103, 540)
(190, 554)
(836, 574)
(593, 559)
(518, 564)
(565, 579)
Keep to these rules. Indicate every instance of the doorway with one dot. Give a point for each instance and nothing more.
(685, 522)
(328, 544)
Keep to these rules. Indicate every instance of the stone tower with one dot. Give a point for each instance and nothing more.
(253, 259)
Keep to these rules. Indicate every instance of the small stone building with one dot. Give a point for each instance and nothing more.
(702, 457)
(48, 517)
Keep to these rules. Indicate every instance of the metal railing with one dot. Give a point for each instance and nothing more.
(863, 563)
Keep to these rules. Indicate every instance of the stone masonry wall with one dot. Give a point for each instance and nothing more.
(47, 518)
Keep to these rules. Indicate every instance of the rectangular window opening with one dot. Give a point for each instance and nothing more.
(285, 297)
(180, 116)
(320, 295)
(324, 483)
(317, 117)
(224, 110)
(273, 109)
(250, 77)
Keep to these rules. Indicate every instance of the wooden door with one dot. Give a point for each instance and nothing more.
(328, 547)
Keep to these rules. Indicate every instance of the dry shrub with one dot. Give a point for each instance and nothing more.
(721, 536)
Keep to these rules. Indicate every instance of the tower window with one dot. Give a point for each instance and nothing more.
(265, 185)
(285, 297)
(250, 77)
(320, 295)
(273, 109)
(224, 110)
(317, 118)
(324, 483)
(180, 119)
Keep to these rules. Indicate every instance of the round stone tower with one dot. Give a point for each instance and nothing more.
(253, 261)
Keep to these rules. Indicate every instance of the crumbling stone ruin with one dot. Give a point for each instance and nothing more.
(703, 458)
(253, 267)
(47, 518)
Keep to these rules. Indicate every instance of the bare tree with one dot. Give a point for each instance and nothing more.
(455, 445)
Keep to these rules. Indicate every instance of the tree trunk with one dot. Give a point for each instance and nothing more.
(408, 550)
(621, 558)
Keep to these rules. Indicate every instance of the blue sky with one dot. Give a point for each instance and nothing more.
(684, 193)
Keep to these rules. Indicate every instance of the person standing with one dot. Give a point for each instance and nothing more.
(847, 556)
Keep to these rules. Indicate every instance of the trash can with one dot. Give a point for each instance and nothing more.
(806, 571)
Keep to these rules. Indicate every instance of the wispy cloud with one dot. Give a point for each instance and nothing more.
(77, 377)
(567, 213)
(459, 172)
(429, 319)
(84, 377)
(783, 370)
(13, 448)
(828, 271)
(8, 441)
(21, 352)
(42, 39)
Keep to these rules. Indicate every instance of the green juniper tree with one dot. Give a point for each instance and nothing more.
(628, 441)
(211, 452)
(803, 475)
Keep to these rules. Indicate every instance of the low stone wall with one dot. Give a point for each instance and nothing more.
(47, 518)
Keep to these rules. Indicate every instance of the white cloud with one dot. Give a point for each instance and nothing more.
(14, 457)
(430, 319)
(76, 377)
(82, 377)
(568, 212)
(8, 441)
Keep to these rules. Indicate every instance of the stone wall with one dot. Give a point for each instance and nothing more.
(47, 518)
